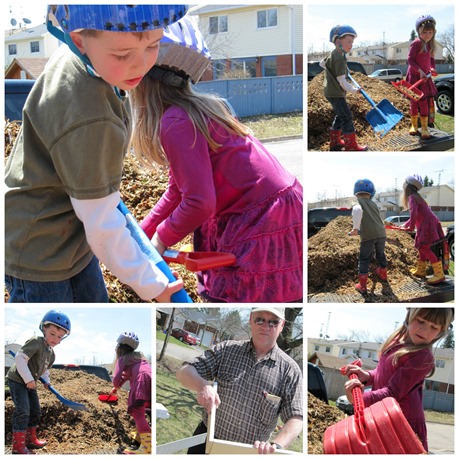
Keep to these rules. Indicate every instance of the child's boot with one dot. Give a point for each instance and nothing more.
(420, 270)
(439, 275)
(336, 142)
(19, 446)
(425, 134)
(381, 273)
(362, 285)
(32, 441)
(145, 445)
(414, 125)
(351, 143)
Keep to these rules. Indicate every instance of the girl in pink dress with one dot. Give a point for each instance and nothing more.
(405, 361)
(132, 366)
(224, 186)
(421, 65)
(428, 229)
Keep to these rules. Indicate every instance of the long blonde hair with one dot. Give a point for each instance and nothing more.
(429, 47)
(151, 98)
(440, 316)
(409, 190)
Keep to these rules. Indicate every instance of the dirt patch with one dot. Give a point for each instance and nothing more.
(333, 262)
(140, 189)
(103, 429)
(320, 112)
(320, 417)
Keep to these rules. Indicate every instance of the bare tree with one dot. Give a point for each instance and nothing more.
(446, 38)
(168, 333)
(292, 334)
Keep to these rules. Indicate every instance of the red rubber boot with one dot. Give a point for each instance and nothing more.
(19, 446)
(32, 441)
(362, 285)
(351, 143)
(336, 142)
(381, 273)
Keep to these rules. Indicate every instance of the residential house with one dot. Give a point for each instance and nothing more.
(331, 355)
(256, 40)
(32, 43)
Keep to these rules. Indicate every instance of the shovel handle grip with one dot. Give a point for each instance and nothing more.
(364, 94)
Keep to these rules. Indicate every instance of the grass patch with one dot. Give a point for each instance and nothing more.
(444, 123)
(439, 417)
(271, 126)
(184, 410)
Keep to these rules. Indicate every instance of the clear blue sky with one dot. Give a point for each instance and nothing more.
(335, 174)
(94, 330)
(389, 20)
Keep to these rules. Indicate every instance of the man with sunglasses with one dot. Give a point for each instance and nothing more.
(257, 384)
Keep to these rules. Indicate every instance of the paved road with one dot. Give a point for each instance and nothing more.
(290, 154)
(441, 438)
(178, 352)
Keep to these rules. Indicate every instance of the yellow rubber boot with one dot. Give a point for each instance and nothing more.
(425, 134)
(145, 445)
(439, 275)
(414, 125)
(420, 270)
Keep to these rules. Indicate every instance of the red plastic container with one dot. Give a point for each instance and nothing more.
(379, 429)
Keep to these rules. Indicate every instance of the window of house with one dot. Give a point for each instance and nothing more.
(267, 18)
(328, 349)
(12, 50)
(219, 69)
(246, 67)
(269, 67)
(316, 348)
(439, 363)
(218, 24)
(343, 351)
(34, 46)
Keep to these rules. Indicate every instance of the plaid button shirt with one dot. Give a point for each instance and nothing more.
(253, 393)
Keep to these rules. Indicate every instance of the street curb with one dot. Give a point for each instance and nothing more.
(279, 139)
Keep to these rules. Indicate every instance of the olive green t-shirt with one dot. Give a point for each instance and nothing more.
(372, 226)
(41, 358)
(335, 65)
(72, 143)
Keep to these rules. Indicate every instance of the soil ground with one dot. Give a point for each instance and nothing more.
(333, 261)
(105, 428)
(320, 417)
(321, 115)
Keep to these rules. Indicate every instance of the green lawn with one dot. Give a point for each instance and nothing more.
(185, 412)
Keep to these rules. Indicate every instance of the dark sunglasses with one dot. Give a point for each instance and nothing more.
(261, 321)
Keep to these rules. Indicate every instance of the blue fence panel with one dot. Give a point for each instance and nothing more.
(259, 96)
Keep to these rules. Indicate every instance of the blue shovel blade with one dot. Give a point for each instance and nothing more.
(383, 117)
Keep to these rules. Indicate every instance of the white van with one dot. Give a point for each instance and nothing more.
(387, 75)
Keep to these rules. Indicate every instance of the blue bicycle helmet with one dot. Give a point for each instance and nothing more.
(57, 318)
(129, 338)
(340, 31)
(183, 55)
(364, 186)
(425, 20)
(63, 19)
(415, 180)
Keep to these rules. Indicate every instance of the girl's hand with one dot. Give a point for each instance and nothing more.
(349, 386)
(159, 246)
(363, 375)
(31, 385)
(422, 73)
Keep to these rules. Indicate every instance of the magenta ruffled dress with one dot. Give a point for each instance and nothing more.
(237, 199)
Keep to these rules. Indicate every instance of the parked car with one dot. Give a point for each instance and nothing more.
(314, 68)
(185, 336)
(16, 92)
(445, 96)
(316, 383)
(387, 75)
(319, 217)
(396, 220)
(450, 239)
(345, 405)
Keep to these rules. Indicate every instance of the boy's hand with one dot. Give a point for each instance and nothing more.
(354, 232)
(31, 385)
(172, 287)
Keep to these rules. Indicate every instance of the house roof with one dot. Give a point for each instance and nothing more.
(33, 66)
(214, 8)
(330, 361)
(27, 34)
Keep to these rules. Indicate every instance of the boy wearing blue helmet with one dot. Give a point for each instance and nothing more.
(31, 363)
(64, 173)
(336, 85)
(368, 223)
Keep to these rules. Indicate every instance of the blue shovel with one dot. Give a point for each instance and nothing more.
(383, 117)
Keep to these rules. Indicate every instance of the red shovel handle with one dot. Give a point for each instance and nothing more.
(199, 261)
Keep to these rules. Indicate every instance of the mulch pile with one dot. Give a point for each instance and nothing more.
(321, 115)
(333, 261)
(103, 429)
(320, 417)
(140, 189)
